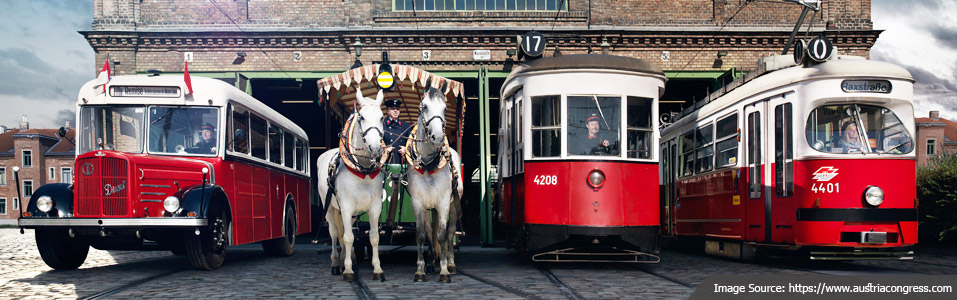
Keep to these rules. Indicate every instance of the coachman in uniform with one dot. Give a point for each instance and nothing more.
(396, 131)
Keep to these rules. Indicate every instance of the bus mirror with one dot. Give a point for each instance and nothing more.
(61, 132)
(238, 134)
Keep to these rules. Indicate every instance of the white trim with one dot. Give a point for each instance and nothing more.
(125, 222)
(71, 174)
(23, 156)
(16, 203)
(927, 146)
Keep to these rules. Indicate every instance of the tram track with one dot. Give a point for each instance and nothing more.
(566, 290)
(500, 286)
(362, 291)
(668, 278)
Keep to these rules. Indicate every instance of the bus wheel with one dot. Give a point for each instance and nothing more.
(59, 250)
(207, 251)
(285, 245)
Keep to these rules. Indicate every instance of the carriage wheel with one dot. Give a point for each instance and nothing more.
(59, 251)
(285, 245)
(207, 251)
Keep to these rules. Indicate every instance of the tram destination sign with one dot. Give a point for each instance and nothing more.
(866, 86)
(145, 91)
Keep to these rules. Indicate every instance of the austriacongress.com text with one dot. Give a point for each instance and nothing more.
(823, 288)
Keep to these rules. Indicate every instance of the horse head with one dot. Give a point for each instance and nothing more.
(369, 121)
(432, 113)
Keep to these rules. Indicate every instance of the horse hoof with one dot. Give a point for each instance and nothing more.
(350, 277)
(452, 270)
(419, 278)
(336, 271)
(378, 276)
(445, 278)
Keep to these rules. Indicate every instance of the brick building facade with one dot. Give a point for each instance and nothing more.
(935, 137)
(43, 157)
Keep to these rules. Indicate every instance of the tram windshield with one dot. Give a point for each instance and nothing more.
(593, 125)
(183, 130)
(118, 128)
(857, 128)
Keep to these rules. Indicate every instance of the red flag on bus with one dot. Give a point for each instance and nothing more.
(189, 83)
(104, 76)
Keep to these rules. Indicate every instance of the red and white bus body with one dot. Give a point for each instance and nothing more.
(137, 160)
(761, 166)
(546, 199)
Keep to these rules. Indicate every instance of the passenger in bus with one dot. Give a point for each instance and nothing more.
(396, 131)
(207, 142)
(592, 143)
(850, 140)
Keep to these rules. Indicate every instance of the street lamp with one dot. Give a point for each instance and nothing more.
(605, 46)
(358, 48)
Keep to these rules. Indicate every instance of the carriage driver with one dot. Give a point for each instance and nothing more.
(396, 131)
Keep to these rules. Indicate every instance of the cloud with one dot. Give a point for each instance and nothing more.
(26, 74)
(66, 115)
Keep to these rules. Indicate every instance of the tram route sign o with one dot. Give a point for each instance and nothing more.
(533, 44)
(820, 49)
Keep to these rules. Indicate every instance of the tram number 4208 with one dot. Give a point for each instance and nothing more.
(830, 187)
(546, 179)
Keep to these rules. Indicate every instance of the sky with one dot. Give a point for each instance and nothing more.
(44, 60)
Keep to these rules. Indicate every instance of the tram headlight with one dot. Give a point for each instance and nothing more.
(596, 179)
(171, 204)
(874, 195)
(45, 203)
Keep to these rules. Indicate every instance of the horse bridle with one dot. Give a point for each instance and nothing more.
(363, 133)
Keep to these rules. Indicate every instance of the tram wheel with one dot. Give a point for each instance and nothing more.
(207, 251)
(285, 245)
(59, 251)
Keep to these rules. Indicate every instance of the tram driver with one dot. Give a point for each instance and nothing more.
(207, 141)
(850, 140)
(593, 143)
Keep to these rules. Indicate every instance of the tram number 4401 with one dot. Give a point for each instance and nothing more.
(546, 179)
(830, 187)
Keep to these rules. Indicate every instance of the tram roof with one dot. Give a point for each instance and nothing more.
(778, 71)
(590, 61)
(339, 91)
(206, 92)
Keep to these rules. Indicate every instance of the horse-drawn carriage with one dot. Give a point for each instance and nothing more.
(419, 191)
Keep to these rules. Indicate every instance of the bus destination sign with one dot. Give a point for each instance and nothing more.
(868, 86)
(144, 91)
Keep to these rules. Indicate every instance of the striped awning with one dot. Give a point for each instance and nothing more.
(339, 91)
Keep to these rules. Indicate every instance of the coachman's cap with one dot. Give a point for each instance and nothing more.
(594, 117)
(393, 103)
(207, 126)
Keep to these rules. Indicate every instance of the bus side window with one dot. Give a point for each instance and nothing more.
(257, 136)
(239, 136)
(275, 144)
(300, 155)
(288, 148)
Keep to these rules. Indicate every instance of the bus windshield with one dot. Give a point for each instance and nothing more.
(183, 130)
(857, 128)
(118, 128)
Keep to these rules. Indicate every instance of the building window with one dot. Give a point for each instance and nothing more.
(66, 175)
(480, 5)
(3, 176)
(52, 173)
(931, 146)
(16, 203)
(27, 158)
(3, 206)
(27, 188)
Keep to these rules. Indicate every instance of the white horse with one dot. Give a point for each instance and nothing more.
(434, 187)
(352, 193)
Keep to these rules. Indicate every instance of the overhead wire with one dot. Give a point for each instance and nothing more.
(243, 31)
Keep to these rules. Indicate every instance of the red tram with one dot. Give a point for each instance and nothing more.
(157, 170)
(577, 158)
(815, 158)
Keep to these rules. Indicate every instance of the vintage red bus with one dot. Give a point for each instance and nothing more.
(577, 160)
(814, 159)
(157, 170)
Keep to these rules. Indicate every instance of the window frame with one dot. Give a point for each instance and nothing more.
(52, 173)
(683, 153)
(23, 158)
(62, 169)
(648, 130)
(25, 190)
(735, 135)
(928, 147)
(784, 150)
(558, 125)
(698, 148)
(3, 206)
(3, 176)
(620, 127)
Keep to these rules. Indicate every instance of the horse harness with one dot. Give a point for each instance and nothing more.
(349, 157)
(439, 161)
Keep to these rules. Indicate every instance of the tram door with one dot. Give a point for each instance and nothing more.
(757, 204)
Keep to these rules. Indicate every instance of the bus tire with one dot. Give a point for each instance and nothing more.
(207, 251)
(59, 251)
(284, 245)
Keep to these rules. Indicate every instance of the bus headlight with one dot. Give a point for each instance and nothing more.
(171, 204)
(874, 195)
(596, 179)
(45, 203)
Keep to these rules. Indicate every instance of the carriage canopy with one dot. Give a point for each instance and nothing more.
(340, 92)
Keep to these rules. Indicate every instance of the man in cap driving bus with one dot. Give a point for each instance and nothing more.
(207, 142)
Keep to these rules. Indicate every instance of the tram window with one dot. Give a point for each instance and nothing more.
(704, 156)
(546, 127)
(754, 155)
(783, 151)
(856, 128)
(687, 153)
(239, 139)
(726, 131)
(288, 148)
(257, 136)
(639, 127)
(275, 144)
(593, 125)
(300, 155)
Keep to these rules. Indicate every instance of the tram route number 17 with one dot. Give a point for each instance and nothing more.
(546, 180)
(830, 187)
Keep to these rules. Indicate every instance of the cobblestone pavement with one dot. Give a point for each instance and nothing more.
(486, 273)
